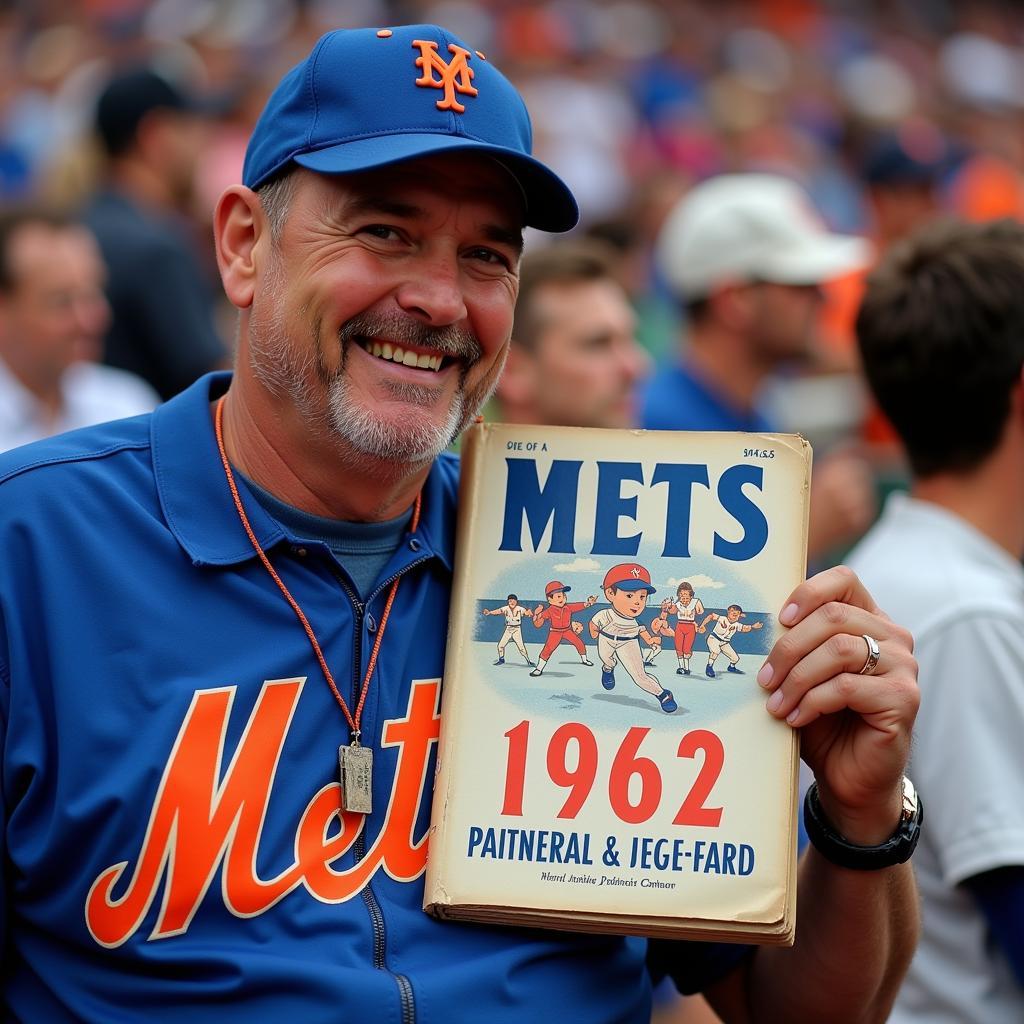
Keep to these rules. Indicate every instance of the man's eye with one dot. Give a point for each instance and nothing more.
(382, 231)
(490, 256)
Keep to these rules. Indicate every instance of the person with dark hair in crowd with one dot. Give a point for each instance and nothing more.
(162, 325)
(941, 335)
(574, 359)
(204, 611)
(745, 254)
(52, 317)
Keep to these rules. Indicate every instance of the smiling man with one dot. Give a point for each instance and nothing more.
(222, 626)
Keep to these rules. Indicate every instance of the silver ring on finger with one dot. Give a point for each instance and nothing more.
(873, 654)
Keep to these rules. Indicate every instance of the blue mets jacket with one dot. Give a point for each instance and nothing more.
(172, 841)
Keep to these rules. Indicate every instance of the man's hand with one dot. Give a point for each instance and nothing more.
(577, 628)
(855, 728)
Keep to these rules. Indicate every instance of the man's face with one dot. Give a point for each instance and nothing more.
(385, 308)
(55, 313)
(733, 614)
(585, 362)
(629, 603)
(558, 598)
(512, 602)
(685, 597)
(783, 321)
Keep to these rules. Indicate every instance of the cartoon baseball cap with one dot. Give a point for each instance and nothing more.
(366, 98)
(751, 227)
(554, 587)
(628, 576)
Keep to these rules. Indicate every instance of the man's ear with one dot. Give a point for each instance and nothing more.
(239, 223)
(518, 382)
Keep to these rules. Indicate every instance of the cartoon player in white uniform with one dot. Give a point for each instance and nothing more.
(513, 612)
(618, 630)
(719, 641)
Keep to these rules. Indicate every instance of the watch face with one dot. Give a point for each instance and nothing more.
(910, 800)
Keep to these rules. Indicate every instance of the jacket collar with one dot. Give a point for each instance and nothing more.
(197, 503)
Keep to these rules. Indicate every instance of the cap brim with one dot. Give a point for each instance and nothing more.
(817, 261)
(630, 585)
(550, 204)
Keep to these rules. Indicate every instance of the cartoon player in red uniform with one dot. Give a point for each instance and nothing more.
(618, 630)
(559, 613)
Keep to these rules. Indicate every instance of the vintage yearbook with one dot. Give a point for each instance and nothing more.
(606, 762)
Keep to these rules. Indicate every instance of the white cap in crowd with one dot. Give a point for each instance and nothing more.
(751, 227)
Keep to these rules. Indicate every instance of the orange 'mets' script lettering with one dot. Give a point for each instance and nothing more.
(198, 823)
(456, 76)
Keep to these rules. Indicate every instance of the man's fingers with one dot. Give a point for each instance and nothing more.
(829, 679)
(826, 623)
(886, 707)
(840, 584)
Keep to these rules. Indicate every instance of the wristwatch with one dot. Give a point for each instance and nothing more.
(839, 850)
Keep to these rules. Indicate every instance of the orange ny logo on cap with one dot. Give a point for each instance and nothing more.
(455, 76)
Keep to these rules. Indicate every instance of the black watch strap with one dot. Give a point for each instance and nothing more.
(836, 848)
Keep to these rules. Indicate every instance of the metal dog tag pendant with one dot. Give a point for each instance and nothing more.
(355, 764)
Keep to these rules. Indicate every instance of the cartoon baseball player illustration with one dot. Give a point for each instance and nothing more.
(618, 630)
(513, 612)
(659, 627)
(559, 613)
(686, 607)
(719, 641)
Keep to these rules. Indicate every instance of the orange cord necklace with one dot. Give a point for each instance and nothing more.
(355, 762)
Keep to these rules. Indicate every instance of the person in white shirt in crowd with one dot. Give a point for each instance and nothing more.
(941, 335)
(52, 317)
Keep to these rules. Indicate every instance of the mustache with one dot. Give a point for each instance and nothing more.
(452, 341)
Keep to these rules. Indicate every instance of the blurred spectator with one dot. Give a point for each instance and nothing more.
(163, 321)
(746, 254)
(574, 360)
(903, 176)
(52, 318)
(944, 316)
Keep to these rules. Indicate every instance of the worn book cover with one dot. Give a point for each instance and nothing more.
(606, 762)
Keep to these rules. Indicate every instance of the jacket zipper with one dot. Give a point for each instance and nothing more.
(372, 904)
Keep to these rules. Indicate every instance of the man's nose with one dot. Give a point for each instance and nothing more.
(433, 292)
(634, 362)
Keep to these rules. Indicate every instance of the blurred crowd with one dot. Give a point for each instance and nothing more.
(885, 113)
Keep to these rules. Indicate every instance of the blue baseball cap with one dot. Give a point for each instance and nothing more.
(365, 98)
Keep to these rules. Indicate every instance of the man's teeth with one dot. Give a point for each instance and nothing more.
(397, 354)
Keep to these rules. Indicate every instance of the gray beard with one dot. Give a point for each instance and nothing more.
(358, 431)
